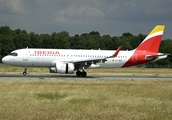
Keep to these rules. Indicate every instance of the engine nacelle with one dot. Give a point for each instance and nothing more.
(64, 68)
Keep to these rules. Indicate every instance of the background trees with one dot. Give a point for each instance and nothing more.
(17, 39)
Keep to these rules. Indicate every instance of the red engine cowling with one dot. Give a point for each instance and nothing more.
(64, 68)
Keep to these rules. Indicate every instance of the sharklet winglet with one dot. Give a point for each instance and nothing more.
(116, 53)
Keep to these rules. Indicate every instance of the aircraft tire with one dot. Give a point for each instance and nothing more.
(24, 73)
(84, 74)
(78, 73)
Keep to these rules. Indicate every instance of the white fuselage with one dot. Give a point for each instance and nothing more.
(48, 57)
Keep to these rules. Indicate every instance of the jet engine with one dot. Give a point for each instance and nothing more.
(64, 68)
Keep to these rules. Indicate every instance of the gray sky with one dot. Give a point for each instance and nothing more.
(113, 17)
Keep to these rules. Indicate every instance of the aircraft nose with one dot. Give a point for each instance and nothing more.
(5, 59)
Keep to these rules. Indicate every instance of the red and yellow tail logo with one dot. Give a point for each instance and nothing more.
(149, 46)
(152, 42)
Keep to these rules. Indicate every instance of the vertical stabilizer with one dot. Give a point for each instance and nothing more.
(152, 42)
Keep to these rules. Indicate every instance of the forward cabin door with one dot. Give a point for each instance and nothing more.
(25, 54)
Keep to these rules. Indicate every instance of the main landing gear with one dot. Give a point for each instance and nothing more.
(25, 71)
(79, 73)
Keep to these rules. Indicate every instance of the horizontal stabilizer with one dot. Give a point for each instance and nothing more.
(150, 57)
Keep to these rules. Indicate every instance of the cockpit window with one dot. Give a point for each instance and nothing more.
(13, 54)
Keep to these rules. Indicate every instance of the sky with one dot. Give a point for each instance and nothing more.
(112, 17)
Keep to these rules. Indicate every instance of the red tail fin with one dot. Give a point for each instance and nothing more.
(147, 51)
(152, 42)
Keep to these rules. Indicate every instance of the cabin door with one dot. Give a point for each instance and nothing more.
(25, 54)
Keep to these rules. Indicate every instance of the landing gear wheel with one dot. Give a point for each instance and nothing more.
(84, 74)
(78, 73)
(24, 73)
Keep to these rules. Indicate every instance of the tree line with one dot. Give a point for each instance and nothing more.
(18, 39)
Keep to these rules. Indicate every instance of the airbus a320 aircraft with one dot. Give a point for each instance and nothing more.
(66, 61)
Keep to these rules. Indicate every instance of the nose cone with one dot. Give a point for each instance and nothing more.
(5, 60)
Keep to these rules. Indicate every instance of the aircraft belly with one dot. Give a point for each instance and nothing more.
(111, 65)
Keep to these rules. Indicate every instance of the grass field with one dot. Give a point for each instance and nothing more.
(94, 99)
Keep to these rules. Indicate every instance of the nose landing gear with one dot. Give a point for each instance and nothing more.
(25, 71)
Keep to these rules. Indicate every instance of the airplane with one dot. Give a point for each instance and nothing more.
(66, 61)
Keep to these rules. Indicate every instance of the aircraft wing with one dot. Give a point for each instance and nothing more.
(89, 61)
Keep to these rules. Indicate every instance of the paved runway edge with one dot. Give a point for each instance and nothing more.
(90, 76)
